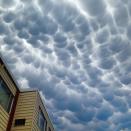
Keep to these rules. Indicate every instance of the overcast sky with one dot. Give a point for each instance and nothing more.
(77, 53)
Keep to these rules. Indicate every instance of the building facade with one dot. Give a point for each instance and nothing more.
(20, 110)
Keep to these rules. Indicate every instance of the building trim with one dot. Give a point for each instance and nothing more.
(5, 66)
(11, 116)
(45, 108)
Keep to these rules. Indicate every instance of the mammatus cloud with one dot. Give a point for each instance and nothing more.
(78, 53)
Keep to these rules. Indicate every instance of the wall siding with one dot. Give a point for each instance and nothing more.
(25, 110)
(7, 80)
(42, 106)
(39, 103)
(3, 119)
(4, 116)
(27, 107)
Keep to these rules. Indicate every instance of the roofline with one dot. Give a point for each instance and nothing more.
(42, 101)
(13, 78)
(29, 90)
(20, 89)
(9, 72)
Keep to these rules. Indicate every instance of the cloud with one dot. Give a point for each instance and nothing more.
(121, 11)
(77, 54)
(93, 7)
(7, 3)
(102, 36)
(3, 29)
(104, 113)
(9, 17)
(129, 32)
(120, 104)
(117, 44)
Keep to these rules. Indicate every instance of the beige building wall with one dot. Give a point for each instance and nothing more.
(27, 107)
(4, 116)
(7, 80)
(40, 106)
(25, 110)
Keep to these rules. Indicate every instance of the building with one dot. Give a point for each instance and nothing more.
(20, 110)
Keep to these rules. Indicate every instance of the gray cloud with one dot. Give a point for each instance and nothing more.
(9, 17)
(77, 53)
(104, 113)
(94, 7)
(121, 11)
(7, 3)
(102, 36)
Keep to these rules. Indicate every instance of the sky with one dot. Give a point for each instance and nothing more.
(77, 53)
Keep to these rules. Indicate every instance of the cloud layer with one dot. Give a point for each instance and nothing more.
(77, 53)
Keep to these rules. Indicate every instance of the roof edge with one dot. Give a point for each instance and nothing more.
(9, 72)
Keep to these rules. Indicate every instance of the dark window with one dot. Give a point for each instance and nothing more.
(19, 122)
(41, 121)
(6, 96)
(49, 129)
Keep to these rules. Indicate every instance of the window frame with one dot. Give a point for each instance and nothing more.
(40, 112)
(11, 96)
(17, 122)
(49, 129)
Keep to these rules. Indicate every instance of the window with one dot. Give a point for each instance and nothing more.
(6, 96)
(49, 129)
(41, 121)
(19, 122)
